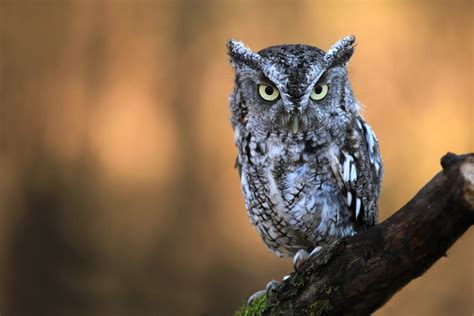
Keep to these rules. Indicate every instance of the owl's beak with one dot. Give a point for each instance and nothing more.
(295, 124)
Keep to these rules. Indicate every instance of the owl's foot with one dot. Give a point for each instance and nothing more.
(302, 256)
(270, 286)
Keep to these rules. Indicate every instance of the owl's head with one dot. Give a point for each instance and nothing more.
(291, 88)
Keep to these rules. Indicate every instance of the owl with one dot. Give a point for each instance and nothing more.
(309, 164)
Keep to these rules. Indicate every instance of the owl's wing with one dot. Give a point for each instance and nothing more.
(361, 172)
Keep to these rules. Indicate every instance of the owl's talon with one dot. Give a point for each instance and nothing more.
(270, 286)
(299, 259)
(255, 296)
(315, 251)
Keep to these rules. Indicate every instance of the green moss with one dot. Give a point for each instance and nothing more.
(255, 309)
(319, 308)
(332, 290)
(298, 281)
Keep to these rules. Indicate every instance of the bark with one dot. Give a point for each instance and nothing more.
(357, 275)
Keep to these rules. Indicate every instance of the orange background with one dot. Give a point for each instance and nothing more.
(117, 189)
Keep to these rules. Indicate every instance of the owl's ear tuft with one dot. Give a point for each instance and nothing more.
(341, 51)
(240, 55)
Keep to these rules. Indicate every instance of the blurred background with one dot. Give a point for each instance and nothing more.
(117, 189)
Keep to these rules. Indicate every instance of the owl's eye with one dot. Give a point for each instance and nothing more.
(319, 91)
(268, 93)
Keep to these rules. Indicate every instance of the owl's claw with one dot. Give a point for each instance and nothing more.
(299, 259)
(302, 256)
(270, 286)
(255, 296)
(315, 251)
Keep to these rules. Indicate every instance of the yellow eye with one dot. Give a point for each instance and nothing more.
(268, 93)
(319, 91)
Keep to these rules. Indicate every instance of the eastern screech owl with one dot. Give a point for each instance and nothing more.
(309, 164)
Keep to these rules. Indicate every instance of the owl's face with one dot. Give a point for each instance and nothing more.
(290, 89)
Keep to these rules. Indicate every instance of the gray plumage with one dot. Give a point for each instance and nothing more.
(309, 164)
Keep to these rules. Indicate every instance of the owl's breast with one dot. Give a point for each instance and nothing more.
(313, 203)
(292, 194)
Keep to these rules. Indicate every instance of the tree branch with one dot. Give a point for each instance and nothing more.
(358, 274)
